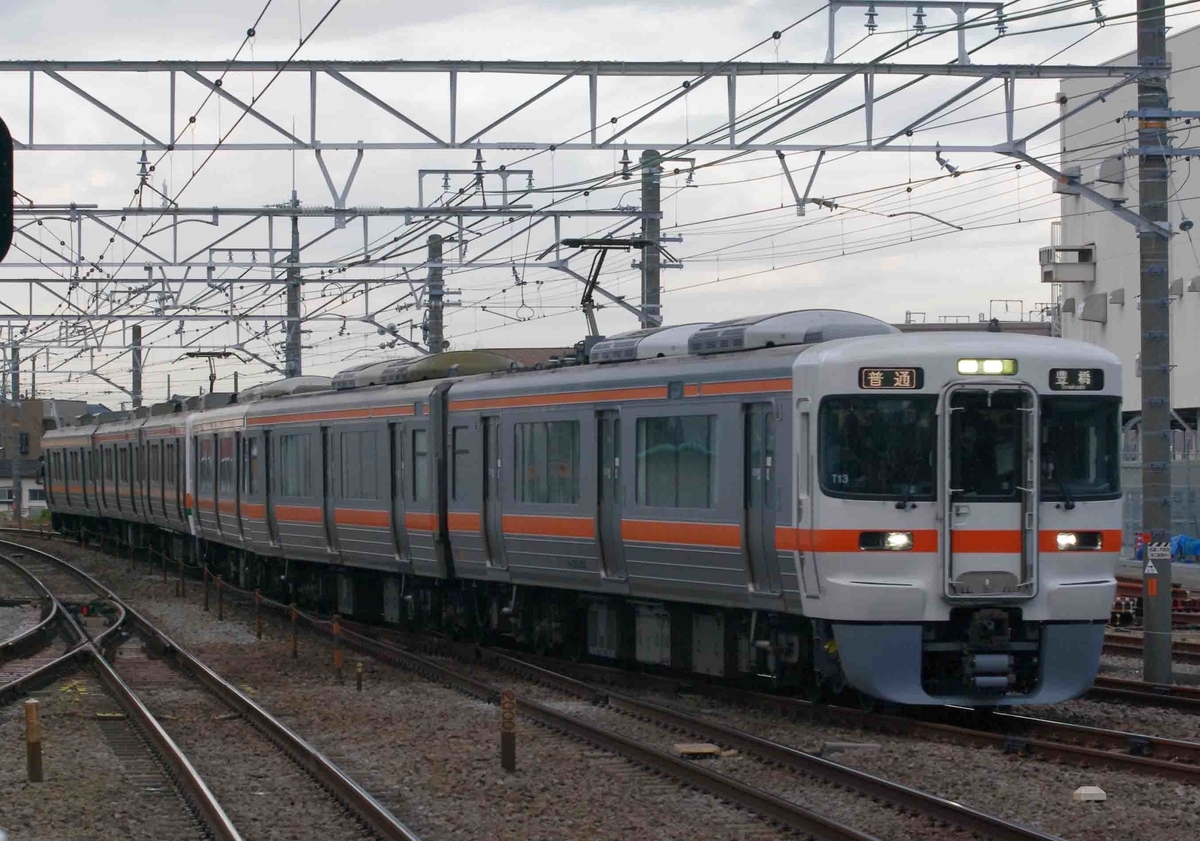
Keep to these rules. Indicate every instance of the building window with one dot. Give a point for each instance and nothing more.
(547, 462)
(250, 466)
(37, 494)
(460, 454)
(295, 458)
(225, 461)
(360, 465)
(6, 495)
(675, 464)
(420, 474)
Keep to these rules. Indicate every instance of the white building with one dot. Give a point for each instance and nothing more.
(1094, 259)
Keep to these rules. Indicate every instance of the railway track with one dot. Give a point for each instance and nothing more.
(163, 665)
(904, 799)
(1150, 694)
(1015, 734)
(1125, 646)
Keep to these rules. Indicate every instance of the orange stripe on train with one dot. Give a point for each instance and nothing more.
(420, 521)
(724, 535)
(526, 524)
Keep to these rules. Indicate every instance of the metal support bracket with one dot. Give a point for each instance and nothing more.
(339, 199)
(1144, 225)
(801, 201)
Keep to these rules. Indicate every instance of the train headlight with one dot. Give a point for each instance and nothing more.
(899, 541)
(1074, 541)
(1005, 367)
(880, 541)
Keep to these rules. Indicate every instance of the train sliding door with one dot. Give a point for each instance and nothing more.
(759, 497)
(270, 490)
(396, 471)
(608, 495)
(328, 505)
(493, 518)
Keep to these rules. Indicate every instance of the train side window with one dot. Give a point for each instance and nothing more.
(420, 473)
(204, 462)
(676, 467)
(460, 454)
(360, 464)
(546, 462)
(169, 471)
(295, 460)
(250, 467)
(225, 465)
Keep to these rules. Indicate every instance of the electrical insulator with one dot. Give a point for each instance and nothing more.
(919, 24)
(625, 164)
(871, 24)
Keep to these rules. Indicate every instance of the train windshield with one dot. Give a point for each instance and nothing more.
(1080, 447)
(882, 447)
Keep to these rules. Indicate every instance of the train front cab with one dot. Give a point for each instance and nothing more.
(986, 574)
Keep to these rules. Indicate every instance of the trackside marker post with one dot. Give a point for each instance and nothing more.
(337, 647)
(508, 730)
(220, 599)
(258, 612)
(295, 632)
(358, 676)
(204, 575)
(33, 741)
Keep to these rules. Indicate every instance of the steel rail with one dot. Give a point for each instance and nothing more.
(1140, 692)
(808, 764)
(33, 638)
(193, 787)
(763, 803)
(1037, 737)
(1122, 646)
(365, 807)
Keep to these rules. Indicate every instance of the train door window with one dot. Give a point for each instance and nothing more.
(169, 465)
(420, 473)
(546, 462)
(204, 462)
(460, 454)
(225, 469)
(295, 463)
(676, 463)
(359, 464)
(250, 467)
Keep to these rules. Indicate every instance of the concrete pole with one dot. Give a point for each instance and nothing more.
(17, 460)
(1153, 174)
(136, 353)
(651, 230)
(292, 364)
(435, 290)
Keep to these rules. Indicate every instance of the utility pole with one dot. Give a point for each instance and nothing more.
(292, 366)
(651, 230)
(16, 444)
(436, 291)
(136, 389)
(1154, 247)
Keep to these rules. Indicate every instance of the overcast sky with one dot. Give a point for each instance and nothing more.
(744, 249)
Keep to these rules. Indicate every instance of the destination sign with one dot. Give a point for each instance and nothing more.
(891, 378)
(1076, 379)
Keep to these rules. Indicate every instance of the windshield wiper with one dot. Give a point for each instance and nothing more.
(905, 503)
(1069, 504)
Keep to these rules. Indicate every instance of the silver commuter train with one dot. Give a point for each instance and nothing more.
(809, 496)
